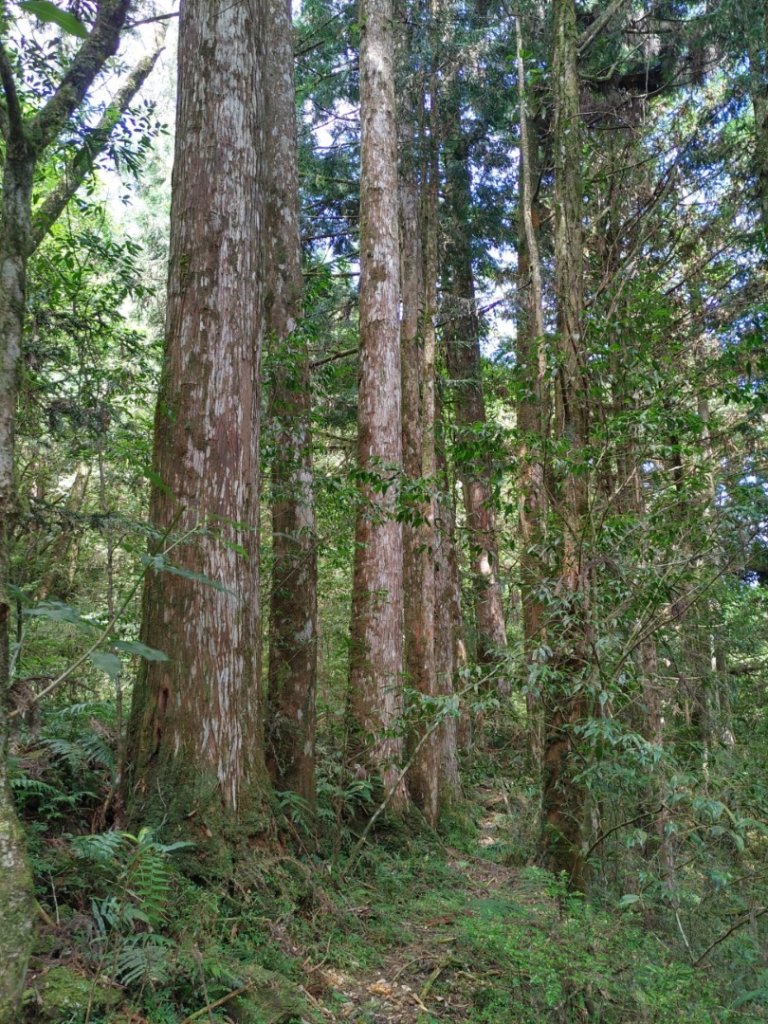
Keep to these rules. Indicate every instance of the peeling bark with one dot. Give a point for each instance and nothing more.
(195, 736)
(376, 657)
(293, 598)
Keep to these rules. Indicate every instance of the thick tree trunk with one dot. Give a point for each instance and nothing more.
(293, 626)
(564, 704)
(376, 657)
(16, 893)
(195, 741)
(462, 334)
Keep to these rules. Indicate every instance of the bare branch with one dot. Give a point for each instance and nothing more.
(331, 359)
(751, 915)
(79, 166)
(154, 20)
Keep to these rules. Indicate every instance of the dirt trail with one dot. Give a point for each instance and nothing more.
(423, 980)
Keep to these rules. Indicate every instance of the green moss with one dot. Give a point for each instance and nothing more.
(61, 995)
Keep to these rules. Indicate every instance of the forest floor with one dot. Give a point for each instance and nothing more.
(460, 928)
(423, 927)
(421, 973)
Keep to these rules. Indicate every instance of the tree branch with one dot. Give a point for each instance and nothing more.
(752, 915)
(623, 824)
(80, 164)
(589, 35)
(12, 120)
(331, 359)
(152, 21)
(89, 61)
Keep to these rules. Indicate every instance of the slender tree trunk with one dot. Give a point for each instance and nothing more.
(293, 632)
(450, 650)
(418, 568)
(376, 660)
(564, 704)
(758, 77)
(58, 554)
(195, 742)
(532, 416)
(462, 333)
(16, 892)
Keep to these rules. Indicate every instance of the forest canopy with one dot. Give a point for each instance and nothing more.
(383, 511)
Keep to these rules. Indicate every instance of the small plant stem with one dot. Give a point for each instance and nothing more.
(391, 792)
(219, 1002)
(623, 824)
(753, 915)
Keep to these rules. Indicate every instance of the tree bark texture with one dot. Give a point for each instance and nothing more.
(195, 742)
(533, 411)
(376, 657)
(16, 892)
(564, 704)
(418, 573)
(462, 334)
(293, 611)
(425, 778)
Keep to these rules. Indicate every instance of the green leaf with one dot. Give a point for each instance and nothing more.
(110, 664)
(134, 647)
(629, 899)
(50, 13)
(57, 611)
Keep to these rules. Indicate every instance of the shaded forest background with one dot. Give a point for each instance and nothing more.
(384, 550)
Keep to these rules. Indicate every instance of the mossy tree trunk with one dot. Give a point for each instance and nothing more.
(564, 702)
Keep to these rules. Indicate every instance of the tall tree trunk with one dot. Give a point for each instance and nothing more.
(564, 704)
(757, 35)
(418, 569)
(433, 755)
(293, 628)
(462, 333)
(16, 893)
(532, 414)
(195, 742)
(376, 657)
